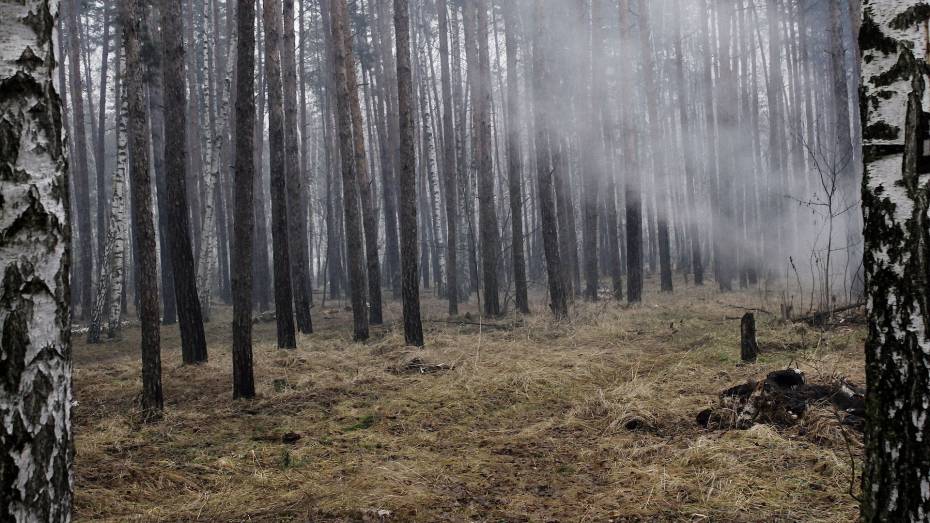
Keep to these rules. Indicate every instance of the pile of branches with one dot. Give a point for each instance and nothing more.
(782, 399)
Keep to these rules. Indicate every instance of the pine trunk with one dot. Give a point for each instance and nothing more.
(413, 328)
(143, 223)
(243, 380)
(193, 343)
(283, 296)
(296, 217)
(353, 222)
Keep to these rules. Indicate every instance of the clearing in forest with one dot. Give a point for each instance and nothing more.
(591, 419)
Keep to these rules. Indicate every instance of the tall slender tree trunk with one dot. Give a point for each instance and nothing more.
(100, 146)
(515, 164)
(153, 39)
(365, 185)
(389, 169)
(283, 296)
(353, 222)
(488, 228)
(36, 452)
(193, 343)
(243, 227)
(78, 166)
(544, 167)
(688, 135)
(655, 139)
(110, 281)
(633, 187)
(413, 328)
(298, 237)
(143, 223)
(450, 165)
(896, 202)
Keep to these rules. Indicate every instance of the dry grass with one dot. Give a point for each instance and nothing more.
(587, 420)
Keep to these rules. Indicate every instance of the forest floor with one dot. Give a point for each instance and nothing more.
(591, 419)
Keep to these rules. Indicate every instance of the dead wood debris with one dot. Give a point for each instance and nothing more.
(781, 400)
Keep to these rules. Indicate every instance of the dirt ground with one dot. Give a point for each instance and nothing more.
(591, 419)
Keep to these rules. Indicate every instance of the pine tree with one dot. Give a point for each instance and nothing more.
(413, 328)
(243, 380)
(193, 343)
(143, 223)
(283, 295)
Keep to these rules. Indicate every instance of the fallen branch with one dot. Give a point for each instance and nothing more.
(821, 317)
(475, 323)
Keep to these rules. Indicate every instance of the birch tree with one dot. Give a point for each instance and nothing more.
(896, 202)
(36, 453)
(110, 281)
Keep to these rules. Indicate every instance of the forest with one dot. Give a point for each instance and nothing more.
(464, 260)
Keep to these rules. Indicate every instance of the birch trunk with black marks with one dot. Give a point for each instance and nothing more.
(36, 452)
(110, 281)
(896, 203)
(216, 145)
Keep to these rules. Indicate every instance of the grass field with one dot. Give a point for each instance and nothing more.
(590, 419)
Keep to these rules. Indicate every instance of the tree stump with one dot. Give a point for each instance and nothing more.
(749, 349)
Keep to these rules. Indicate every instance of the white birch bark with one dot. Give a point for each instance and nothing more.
(36, 453)
(110, 282)
(896, 199)
(217, 142)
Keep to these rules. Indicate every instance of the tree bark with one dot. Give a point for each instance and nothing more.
(283, 296)
(79, 177)
(36, 452)
(488, 227)
(544, 168)
(633, 187)
(193, 343)
(450, 166)
(143, 223)
(353, 225)
(413, 328)
(515, 165)
(896, 201)
(365, 185)
(296, 217)
(157, 121)
(243, 380)
(110, 282)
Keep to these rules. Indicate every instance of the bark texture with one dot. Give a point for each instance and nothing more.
(296, 216)
(143, 223)
(283, 295)
(413, 328)
(193, 343)
(896, 202)
(36, 452)
(353, 221)
(243, 218)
